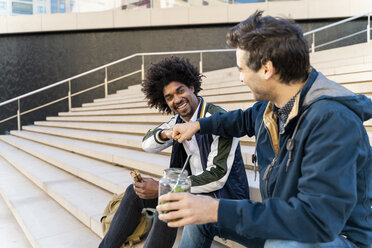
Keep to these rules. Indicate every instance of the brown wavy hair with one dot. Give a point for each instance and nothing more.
(278, 40)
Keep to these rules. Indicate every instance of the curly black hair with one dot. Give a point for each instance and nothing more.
(164, 72)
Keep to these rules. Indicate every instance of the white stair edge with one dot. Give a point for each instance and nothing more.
(21, 203)
(12, 235)
(79, 204)
(102, 152)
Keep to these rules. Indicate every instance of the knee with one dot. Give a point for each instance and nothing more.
(130, 191)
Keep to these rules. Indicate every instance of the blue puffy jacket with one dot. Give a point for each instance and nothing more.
(325, 189)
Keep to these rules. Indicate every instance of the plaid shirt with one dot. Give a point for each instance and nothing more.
(283, 113)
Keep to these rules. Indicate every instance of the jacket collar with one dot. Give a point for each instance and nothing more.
(202, 108)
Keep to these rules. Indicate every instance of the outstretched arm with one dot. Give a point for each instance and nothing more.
(236, 123)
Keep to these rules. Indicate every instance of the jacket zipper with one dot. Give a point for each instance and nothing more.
(267, 174)
(270, 167)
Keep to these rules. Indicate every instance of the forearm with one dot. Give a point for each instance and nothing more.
(157, 139)
(231, 124)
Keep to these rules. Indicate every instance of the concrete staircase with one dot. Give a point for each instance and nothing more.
(56, 176)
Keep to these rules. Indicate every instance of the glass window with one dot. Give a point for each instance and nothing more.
(22, 8)
(41, 10)
(2, 5)
(62, 6)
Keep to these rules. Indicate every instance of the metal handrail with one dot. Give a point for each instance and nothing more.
(313, 46)
(106, 81)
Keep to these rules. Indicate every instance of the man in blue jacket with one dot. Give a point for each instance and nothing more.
(313, 152)
(215, 167)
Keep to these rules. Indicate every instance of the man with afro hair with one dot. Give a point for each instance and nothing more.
(215, 167)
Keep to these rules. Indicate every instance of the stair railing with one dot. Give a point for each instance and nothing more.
(105, 83)
(367, 30)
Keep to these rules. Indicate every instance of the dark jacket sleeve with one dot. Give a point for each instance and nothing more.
(326, 189)
(236, 123)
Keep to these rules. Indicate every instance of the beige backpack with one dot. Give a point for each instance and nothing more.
(142, 228)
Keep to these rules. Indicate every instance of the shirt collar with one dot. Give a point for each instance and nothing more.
(283, 112)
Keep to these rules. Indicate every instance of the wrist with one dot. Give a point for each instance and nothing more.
(163, 136)
(197, 126)
(214, 210)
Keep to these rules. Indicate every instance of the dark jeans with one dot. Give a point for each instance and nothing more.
(127, 218)
(201, 236)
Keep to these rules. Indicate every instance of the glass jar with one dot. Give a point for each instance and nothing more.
(174, 181)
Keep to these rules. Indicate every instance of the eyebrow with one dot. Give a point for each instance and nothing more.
(176, 91)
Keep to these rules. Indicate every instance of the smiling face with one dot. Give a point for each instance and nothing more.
(260, 88)
(181, 99)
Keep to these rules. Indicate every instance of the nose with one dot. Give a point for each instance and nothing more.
(241, 77)
(177, 98)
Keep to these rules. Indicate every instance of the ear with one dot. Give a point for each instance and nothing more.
(192, 88)
(268, 69)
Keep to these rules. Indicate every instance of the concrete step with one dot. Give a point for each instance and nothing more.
(140, 98)
(111, 127)
(112, 178)
(115, 139)
(82, 199)
(233, 81)
(139, 129)
(148, 163)
(135, 111)
(368, 125)
(358, 88)
(148, 119)
(226, 98)
(220, 75)
(365, 76)
(38, 214)
(122, 140)
(137, 94)
(153, 164)
(111, 106)
(11, 234)
(360, 83)
(348, 69)
(342, 56)
(142, 106)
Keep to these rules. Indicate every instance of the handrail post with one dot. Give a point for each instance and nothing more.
(106, 86)
(313, 44)
(201, 63)
(19, 115)
(369, 28)
(143, 68)
(69, 96)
